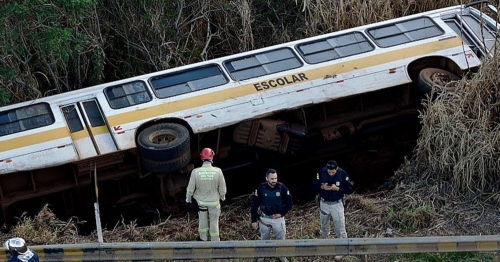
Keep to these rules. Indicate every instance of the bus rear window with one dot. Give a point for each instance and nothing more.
(25, 118)
(262, 64)
(405, 32)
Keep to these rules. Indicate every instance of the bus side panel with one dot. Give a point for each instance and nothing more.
(84, 144)
(38, 156)
(314, 85)
(315, 92)
(123, 133)
(352, 78)
(465, 58)
(104, 140)
(125, 139)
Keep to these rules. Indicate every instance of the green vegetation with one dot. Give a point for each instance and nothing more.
(55, 46)
(44, 47)
(446, 257)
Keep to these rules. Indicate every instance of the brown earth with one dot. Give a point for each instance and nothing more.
(416, 206)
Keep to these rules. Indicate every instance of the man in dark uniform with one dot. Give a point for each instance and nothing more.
(274, 200)
(332, 182)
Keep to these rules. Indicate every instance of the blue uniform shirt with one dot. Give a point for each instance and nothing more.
(340, 179)
(271, 200)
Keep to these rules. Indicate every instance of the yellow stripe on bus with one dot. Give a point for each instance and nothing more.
(85, 134)
(99, 130)
(80, 134)
(49, 135)
(214, 97)
(33, 139)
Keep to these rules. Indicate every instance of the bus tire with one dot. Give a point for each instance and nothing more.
(163, 141)
(430, 78)
(167, 166)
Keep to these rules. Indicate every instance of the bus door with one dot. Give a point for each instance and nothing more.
(478, 33)
(485, 32)
(89, 131)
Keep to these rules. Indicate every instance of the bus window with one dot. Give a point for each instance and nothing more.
(72, 118)
(93, 113)
(179, 83)
(486, 35)
(334, 47)
(466, 37)
(126, 95)
(262, 64)
(405, 32)
(26, 118)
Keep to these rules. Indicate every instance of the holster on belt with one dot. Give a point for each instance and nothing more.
(264, 215)
(263, 223)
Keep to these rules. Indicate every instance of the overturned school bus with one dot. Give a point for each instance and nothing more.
(144, 134)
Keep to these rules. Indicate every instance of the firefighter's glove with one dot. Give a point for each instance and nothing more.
(188, 200)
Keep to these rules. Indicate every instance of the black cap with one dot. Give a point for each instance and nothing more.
(331, 165)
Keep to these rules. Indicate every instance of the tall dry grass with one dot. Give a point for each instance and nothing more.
(460, 138)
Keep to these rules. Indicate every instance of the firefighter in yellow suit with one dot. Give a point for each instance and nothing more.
(208, 187)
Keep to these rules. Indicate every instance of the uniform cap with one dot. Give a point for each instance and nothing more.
(331, 165)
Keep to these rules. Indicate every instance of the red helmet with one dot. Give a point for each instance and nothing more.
(207, 154)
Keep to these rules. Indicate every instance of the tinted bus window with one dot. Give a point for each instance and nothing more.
(405, 32)
(262, 64)
(25, 118)
(126, 95)
(334, 47)
(178, 83)
(93, 113)
(482, 30)
(72, 118)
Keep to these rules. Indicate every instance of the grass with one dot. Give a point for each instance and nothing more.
(366, 217)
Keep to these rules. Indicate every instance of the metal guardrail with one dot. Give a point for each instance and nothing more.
(153, 251)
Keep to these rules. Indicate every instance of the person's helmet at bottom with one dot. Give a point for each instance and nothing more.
(207, 154)
(16, 245)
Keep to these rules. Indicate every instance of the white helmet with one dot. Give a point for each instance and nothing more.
(16, 244)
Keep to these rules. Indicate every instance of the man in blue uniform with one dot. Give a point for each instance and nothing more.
(332, 182)
(274, 200)
(19, 251)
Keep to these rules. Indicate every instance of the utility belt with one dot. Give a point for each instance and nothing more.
(265, 216)
(264, 210)
(331, 202)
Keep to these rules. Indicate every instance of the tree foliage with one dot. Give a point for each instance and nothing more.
(54, 46)
(47, 47)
